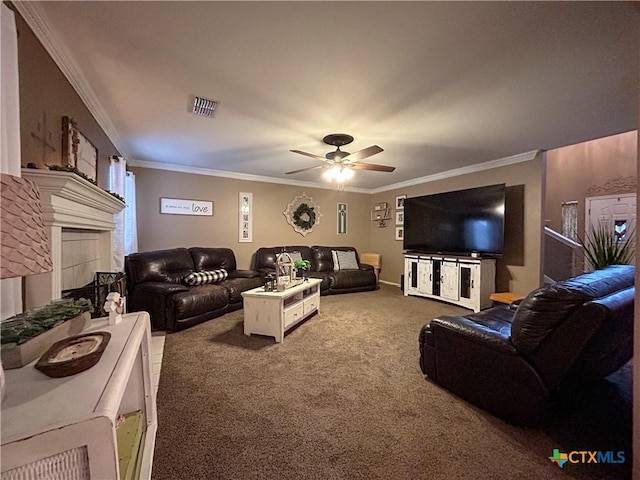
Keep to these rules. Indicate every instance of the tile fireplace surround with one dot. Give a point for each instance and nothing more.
(71, 205)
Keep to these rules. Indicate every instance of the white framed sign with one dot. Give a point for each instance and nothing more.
(245, 217)
(176, 206)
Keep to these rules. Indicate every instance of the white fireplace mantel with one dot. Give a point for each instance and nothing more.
(69, 202)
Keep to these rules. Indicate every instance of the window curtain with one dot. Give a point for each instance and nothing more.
(570, 220)
(125, 235)
(10, 288)
(130, 221)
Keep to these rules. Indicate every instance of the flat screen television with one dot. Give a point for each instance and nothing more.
(463, 222)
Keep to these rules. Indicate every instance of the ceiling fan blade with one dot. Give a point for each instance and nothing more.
(305, 169)
(371, 166)
(364, 153)
(317, 157)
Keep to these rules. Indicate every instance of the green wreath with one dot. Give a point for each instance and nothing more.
(299, 219)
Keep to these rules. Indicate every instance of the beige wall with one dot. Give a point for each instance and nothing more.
(519, 270)
(606, 166)
(45, 97)
(159, 231)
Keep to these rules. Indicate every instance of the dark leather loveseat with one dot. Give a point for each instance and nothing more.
(155, 284)
(360, 279)
(513, 362)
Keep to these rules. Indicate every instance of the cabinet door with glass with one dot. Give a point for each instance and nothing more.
(470, 284)
(411, 275)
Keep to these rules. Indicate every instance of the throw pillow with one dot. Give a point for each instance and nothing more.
(336, 264)
(209, 276)
(295, 256)
(347, 260)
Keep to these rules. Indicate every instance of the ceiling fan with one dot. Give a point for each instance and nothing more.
(344, 160)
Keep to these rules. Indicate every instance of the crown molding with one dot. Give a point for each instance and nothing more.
(501, 162)
(172, 167)
(64, 60)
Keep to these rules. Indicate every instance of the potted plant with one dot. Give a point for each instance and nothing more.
(302, 266)
(602, 247)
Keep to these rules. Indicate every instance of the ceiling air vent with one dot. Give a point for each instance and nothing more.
(204, 107)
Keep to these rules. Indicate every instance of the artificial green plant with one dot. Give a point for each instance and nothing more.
(24, 326)
(602, 247)
(302, 264)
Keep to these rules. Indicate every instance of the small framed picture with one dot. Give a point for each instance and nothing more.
(245, 219)
(399, 233)
(399, 217)
(400, 202)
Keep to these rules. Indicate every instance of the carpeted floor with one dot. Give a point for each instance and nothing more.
(343, 398)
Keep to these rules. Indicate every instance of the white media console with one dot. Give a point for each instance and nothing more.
(464, 281)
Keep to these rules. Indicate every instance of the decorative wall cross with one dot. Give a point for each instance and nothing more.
(44, 137)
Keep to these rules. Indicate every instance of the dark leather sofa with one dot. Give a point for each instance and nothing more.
(155, 285)
(333, 281)
(514, 362)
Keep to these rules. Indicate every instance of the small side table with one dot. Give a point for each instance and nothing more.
(373, 259)
(505, 297)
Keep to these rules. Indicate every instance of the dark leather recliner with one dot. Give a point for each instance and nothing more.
(237, 282)
(333, 281)
(154, 284)
(513, 362)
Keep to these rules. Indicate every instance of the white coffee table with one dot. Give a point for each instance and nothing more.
(273, 313)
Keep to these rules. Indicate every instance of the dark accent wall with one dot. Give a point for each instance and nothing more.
(520, 268)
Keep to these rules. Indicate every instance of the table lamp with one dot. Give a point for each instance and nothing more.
(24, 246)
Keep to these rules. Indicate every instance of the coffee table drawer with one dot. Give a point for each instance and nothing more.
(293, 315)
(311, 304)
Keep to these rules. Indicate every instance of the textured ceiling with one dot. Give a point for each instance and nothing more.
(438, 85)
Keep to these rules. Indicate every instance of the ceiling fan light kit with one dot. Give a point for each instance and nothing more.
(338, 173)
(340, 163)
